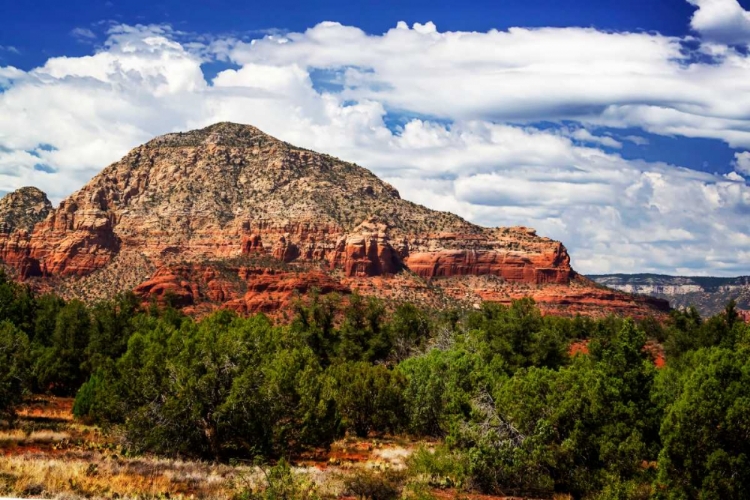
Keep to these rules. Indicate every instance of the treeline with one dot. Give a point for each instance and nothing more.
(516, 413)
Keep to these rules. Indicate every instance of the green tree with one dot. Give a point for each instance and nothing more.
(706, 450)
(368, 397)
(315, 322)
(59, 367)
(571, 429)
(111, 327)
(364, 334)
(221, 388)
(438, 391)
(410, 329)
(48, 306)
(16, 304)
(14, 365)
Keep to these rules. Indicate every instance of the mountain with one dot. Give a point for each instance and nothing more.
(708, 294)
(230, 216)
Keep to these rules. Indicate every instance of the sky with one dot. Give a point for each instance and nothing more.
(621, 128)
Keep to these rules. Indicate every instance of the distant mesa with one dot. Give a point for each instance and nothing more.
(709, 295)
(228, 216)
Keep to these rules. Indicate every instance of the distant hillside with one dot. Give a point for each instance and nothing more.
(708, 294)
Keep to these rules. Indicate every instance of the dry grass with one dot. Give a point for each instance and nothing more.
(21, 436)
(47, 409)
(99, 476)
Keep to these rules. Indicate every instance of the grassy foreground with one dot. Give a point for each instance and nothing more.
(49, 454)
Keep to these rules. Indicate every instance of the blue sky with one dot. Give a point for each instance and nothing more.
(43, 30)
(621, 128)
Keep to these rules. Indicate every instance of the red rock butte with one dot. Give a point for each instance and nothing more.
(228, 216)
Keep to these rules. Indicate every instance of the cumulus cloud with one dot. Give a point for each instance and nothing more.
(721, 21)
(483, 160)
(742, 162)
(526, 75)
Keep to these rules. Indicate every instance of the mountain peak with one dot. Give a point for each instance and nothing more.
(23, 209)
(220, 134)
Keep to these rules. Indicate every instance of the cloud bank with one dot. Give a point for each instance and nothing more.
(450, 118)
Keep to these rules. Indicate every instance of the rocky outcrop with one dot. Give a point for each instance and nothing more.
(515, 254)
(540, 268)
(173, 285)
(252, 244)
(269, 292)
(20, 212)
(231, 192)
(367, 251)
(579, 296)
(74, 241)
(23, 209)
(204, 287)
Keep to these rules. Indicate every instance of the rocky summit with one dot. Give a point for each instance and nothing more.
(228, 216)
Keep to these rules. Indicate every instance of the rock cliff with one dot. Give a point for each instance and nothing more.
(170, 215)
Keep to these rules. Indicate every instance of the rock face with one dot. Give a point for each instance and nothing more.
(540, 261)
(186, 204)
(20, 212)
(244, 289)
(367, 251)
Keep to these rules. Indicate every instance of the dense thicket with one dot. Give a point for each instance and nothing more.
(516, 412)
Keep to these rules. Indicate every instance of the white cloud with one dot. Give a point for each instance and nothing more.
(742, 162)
(584, 135)
(8, 74)
(614, 79)
(9, 48)
(637, 140)
(613, 214)
(721, 21)
(83, 34)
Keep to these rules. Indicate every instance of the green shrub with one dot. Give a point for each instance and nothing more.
(279, 483)
(370, 484)
(438, 391)
(440, 468)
